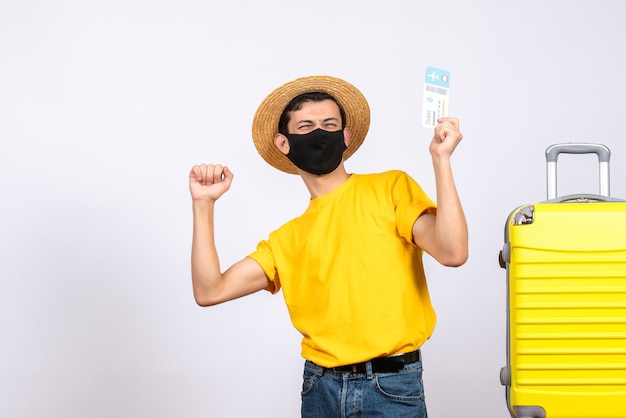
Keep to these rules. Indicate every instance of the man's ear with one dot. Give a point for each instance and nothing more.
(282, 143)
(346, 136)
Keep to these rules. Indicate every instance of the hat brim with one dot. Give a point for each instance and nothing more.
(266, 118)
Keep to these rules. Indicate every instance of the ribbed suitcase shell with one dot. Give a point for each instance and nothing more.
(567, 311)
(566, 279)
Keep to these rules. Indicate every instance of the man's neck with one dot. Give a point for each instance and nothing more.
(320, 185)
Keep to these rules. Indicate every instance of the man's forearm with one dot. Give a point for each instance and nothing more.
(205, 265)
(450, 225)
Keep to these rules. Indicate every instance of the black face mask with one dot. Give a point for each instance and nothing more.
(318, 152)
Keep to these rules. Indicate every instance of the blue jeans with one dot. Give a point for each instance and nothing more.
(330, 394)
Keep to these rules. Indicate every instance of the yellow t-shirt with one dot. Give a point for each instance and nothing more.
(351, 276)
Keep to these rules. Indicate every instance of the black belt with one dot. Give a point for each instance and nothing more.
(382, 364)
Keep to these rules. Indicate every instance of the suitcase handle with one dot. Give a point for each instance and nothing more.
(552, 156)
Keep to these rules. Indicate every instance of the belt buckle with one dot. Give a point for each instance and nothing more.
(348, 368)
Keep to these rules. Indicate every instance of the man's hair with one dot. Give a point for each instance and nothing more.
(296, 104)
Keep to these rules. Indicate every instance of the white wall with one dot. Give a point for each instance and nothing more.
(106, 104)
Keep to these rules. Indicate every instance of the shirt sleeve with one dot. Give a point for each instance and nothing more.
(265, 258)
(410, 203)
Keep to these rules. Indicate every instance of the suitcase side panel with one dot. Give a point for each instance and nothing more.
(567, 310)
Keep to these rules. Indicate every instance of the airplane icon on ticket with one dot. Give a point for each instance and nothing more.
(433, 76)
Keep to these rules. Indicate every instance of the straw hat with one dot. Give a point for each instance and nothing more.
(265, 123)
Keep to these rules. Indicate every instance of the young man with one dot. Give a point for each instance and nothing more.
(350, 266)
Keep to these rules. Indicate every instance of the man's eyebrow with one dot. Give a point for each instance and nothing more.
(323, 121)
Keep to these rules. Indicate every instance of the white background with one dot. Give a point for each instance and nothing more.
(106, 105)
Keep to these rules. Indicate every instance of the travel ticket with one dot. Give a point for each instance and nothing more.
(436, 93)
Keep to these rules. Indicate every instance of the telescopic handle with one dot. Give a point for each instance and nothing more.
(552, 156)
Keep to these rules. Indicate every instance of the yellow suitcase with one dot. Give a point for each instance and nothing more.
(566, 301)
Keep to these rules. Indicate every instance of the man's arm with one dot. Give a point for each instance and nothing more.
(444, 236)
(207, 183)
